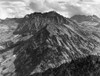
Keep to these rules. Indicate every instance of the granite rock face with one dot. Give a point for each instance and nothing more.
(48, 44)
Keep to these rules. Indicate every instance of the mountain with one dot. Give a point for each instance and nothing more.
(81, 18)
(55, 40)
(48, 44)
(90, 24)
(7, 39)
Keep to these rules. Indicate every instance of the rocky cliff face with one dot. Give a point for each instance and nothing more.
(45, 44)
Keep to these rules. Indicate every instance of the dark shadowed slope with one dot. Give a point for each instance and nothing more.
(88, 66)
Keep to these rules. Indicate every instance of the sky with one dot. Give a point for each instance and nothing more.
(67, 8)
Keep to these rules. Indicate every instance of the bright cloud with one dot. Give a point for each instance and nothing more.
(19, 8)
(13, 9)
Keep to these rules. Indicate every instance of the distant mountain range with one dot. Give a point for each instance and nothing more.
(81, 18)
(48, 44)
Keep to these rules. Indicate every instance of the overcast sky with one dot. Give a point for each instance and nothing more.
(68, 8)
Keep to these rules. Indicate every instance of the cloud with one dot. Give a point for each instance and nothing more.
(68, 8)
(13, 9)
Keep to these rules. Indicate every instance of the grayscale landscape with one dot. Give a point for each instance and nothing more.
(55, 42)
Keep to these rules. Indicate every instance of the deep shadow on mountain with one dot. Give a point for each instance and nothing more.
(88, 66)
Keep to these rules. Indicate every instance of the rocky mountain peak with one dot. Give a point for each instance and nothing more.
(46, 42)
(54, 40)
